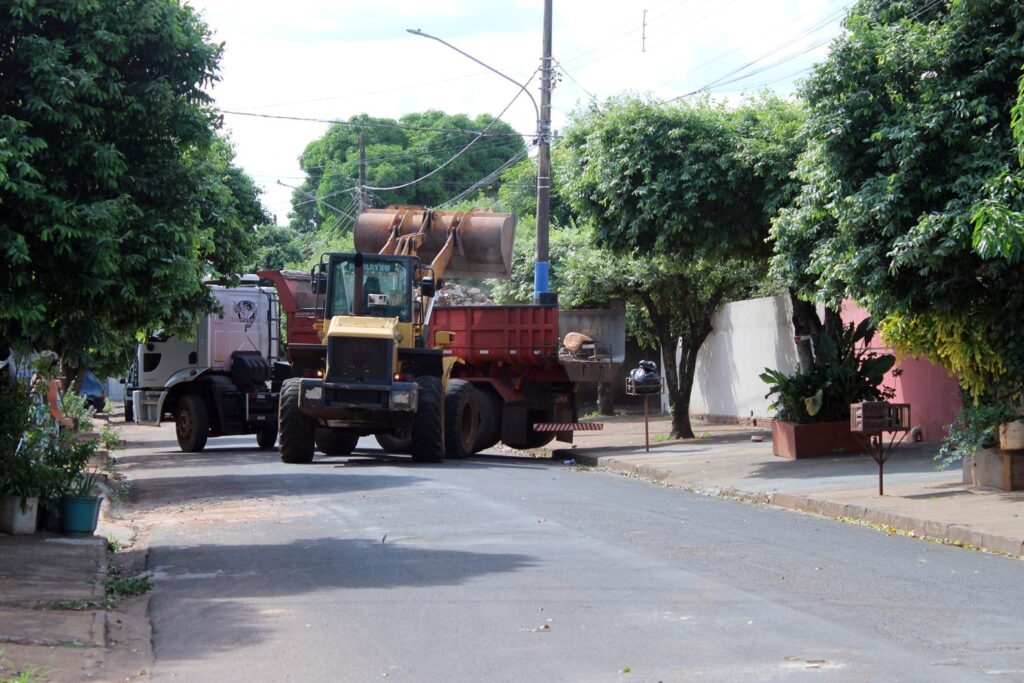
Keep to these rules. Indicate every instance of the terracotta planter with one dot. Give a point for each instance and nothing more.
(995, 468)
(796, 441)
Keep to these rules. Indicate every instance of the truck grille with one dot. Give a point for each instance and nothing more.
(359, 360)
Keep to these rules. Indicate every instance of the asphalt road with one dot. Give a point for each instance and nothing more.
(514, 569)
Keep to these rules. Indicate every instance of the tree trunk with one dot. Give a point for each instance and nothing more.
(678, 401)
(605, 398)
(807, 327)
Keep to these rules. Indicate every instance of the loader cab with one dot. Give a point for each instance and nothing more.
(384, 287)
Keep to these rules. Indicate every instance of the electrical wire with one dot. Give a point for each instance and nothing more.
(464, 149)
(369, 124)
(578, 84)
(511, 161)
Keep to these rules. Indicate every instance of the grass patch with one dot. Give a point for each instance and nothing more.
(73, 605)
(658, 438)
(119, 587)
(113, 545)
(29, 675)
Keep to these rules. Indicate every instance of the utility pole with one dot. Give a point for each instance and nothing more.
(362, 171)
(541, 270)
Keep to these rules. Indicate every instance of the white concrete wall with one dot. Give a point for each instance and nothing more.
(749, 336)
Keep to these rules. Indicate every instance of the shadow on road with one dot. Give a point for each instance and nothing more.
(201, 602)
(159, 491)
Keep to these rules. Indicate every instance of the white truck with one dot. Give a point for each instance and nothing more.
(223, 382)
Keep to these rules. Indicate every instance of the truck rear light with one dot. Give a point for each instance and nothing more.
(402, 377)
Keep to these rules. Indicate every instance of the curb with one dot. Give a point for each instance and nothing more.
(954, 534)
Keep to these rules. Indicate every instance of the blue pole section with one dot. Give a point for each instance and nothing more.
(540, 278)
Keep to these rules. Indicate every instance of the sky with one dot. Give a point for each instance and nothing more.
(333, 59)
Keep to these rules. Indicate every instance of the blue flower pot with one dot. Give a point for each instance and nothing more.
(79, 515)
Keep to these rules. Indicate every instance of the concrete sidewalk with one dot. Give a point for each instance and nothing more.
(725, 461)
(52, 604)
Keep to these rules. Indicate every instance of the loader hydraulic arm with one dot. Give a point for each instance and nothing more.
(409, 245)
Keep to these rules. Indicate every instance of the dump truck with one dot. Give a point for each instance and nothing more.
(223, 382)
(373, 354)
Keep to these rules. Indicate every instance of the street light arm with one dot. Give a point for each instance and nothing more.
(521, 86)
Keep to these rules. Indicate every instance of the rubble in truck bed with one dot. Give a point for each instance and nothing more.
(452, 294)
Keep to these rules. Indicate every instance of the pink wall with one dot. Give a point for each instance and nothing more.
(933, 394)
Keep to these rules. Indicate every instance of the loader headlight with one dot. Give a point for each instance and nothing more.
(403, 400)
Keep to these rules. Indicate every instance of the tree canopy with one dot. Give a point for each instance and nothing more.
(397, 152)
(684, 195)
(909, 123)
(116, 195)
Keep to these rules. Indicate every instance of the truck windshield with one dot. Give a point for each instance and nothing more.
(386, 287)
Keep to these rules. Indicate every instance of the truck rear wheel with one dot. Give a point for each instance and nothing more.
(394, 444)
(428, 424)
(192, 426)
(335, 442)
(488, 430)
(460, 419)
(295, 429)
(266, 436)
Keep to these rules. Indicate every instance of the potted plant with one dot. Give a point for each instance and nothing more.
(813, 407)
(979, 437)
(22, 473)
(80, 507)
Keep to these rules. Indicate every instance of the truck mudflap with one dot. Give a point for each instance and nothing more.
(362, 404)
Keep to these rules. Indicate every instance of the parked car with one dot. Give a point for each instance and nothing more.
(92, 389)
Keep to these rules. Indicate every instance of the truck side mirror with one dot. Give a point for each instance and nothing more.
(427, 286)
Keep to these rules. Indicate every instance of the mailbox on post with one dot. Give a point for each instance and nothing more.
(868, 420)
(645, 381)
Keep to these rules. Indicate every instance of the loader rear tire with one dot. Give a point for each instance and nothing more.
(294, 428)
(394, 444)
(489, 408)
(460, 419)
(192, 426)
(428, 424)
(335, 442)
(266, 437)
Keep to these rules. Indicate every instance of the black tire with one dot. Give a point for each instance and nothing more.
(266, 437)
(294, 428)
(394, 444)
(460, 419)
(192, 426)
(335, 442)
(488, 431)
(428, 424)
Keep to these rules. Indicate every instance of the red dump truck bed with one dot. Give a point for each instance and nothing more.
(516, 335)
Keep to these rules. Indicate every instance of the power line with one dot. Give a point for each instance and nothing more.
(578, 84)
(369, 124)
(514, 159)
(464, 149)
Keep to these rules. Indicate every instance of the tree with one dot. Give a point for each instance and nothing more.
(685, 193)
(909, 123)
(116, 196)
(397, 152)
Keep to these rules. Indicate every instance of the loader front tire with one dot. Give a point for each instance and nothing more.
(296, 430)
(428, 424)
(192, 426)
(460, 419)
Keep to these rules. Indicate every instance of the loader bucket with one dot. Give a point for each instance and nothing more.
(483, 249)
